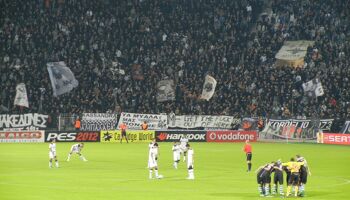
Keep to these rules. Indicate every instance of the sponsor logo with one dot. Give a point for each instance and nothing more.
(162, 136)
(231, 136)
(132, 135)
(20, 135)
(171, 136)
(334, 138)
(73, 136)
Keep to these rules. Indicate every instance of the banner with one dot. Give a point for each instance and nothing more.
(346, 127)
(98, 121)
(21, 136)
(137, 73)
(208, 87)
(62, 78)
(21, 98)
(175, 136)
(165, 90)
(294, 128)
(134, 120)
(30, 121)
(114, 136)
(202, 121)
(231, 136)
(313, 88)
(333, 138)
(79, 136)
(292, 53)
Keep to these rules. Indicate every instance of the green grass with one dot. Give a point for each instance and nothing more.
(117, 171)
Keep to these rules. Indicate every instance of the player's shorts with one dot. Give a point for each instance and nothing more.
(303, 177)
(249, 156)
(152, 163)
(52, 154)
(176, 156)
(287, 177)
(267, 179)
(259, 178)
(278, 178)
(294, 179)
(124, 133)
(183, 149)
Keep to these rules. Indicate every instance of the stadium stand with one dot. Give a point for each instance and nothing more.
(234, 41)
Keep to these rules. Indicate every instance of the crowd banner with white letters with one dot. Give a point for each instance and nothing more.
(202, 121)
(294, 128)
(29, 121)
(21, 136)
(98, 121)
(134, 120)
(62, 78)
(21, 98)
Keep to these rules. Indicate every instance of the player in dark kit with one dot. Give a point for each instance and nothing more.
(278, 178)
(264, 178)
(304, 172)
(248, 150)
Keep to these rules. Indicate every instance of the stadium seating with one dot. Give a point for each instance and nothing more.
(182, 40)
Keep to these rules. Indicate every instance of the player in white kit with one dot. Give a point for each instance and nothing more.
(176, 154)
(183, 143)
(52, 153)
(76, 148)
(152, 162)
(190, 162)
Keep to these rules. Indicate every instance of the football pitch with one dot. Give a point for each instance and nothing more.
(117, 171)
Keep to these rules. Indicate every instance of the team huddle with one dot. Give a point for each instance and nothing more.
(297, 171)
(178, 148)
(76, 149)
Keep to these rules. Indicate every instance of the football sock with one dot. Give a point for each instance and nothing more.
(274, 190)
(50, 164)
(69, 155)
(296, 191)
(267, 190)
(260, 189)
(288, 190)
(281, 189)
(175, 164)
(156, 172)
(150, 174)
(249, 166)
(56, 163)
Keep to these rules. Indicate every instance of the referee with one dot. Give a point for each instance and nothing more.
(248, 150)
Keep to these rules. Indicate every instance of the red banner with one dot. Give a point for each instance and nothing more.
(231, 136)
(333, 138)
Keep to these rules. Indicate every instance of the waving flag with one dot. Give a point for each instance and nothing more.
(62, 78)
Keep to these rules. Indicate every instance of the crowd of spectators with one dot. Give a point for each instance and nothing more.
(182, 40)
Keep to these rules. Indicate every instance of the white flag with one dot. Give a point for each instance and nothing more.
(208, 87)
(313, 88)
(21, 96)
(62, 78)
(165, 90)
